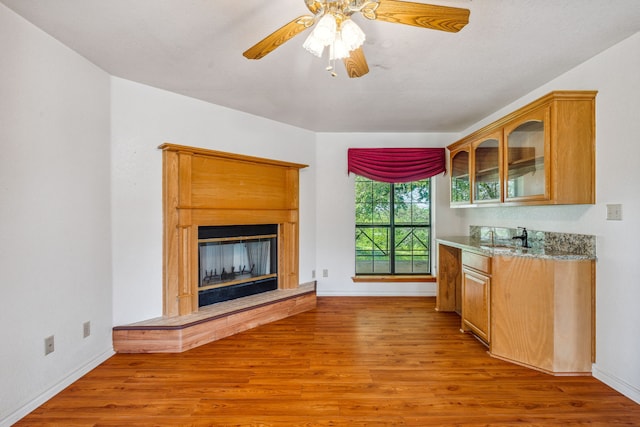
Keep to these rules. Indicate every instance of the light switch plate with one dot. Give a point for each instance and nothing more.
(614, 212)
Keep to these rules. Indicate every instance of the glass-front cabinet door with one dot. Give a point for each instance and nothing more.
(486, 170)
(526, 153)
(460, 183)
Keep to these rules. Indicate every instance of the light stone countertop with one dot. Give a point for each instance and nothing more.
(507, 248)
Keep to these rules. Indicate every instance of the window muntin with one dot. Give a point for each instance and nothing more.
(393, 227)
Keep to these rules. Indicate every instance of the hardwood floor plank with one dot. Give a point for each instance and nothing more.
(352, 361)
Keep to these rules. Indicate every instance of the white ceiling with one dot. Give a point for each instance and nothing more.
(419, 81)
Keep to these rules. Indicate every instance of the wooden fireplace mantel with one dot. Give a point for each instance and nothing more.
(205, 187)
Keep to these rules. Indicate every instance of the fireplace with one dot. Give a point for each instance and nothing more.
(236, 261)
(240, 213)
(214, 191)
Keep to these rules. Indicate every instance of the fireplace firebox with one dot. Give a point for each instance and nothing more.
(236, 261)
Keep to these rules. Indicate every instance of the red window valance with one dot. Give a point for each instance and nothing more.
(396, 164)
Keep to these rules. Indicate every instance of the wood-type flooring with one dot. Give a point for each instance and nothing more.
(353, 361)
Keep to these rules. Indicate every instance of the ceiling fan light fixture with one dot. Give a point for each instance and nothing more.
(341, 41)
(352, 35)
(325, 30)
(338, 49)
(313, 45)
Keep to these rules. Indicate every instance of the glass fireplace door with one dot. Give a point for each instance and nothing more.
(226, 261)
(236, 261)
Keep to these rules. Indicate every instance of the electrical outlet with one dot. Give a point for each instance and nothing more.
(313, 274)
(48, 345)
(325, 273)
(614, 212)
(86, 329)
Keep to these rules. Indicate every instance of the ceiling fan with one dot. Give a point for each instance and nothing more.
(335, 29)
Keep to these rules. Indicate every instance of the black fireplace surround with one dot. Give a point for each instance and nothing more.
(236, 261)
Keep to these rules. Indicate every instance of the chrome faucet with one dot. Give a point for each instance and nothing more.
(523, 237)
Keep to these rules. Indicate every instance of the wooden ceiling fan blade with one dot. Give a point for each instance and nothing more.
(443, 18)
(278, 37)
(356, 64)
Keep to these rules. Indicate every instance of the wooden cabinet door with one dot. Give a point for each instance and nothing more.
(475, 303)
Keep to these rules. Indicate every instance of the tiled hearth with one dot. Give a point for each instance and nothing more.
(181, 333)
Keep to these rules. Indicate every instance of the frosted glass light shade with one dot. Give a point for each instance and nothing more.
(338, 50)
(313, 45)
(340, 42)
(325, 30)
(352, 36)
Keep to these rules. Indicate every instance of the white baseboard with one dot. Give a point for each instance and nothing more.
(616, 383)
(55, 389)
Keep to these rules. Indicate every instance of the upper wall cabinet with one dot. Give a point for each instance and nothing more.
(543, 153)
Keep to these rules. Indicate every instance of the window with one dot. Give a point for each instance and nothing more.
(393, 227)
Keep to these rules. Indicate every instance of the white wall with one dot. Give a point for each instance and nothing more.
(143, 118)
(336, 209)
(615, 74)
(55, 256)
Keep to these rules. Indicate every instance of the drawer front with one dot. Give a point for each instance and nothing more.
(476, 261)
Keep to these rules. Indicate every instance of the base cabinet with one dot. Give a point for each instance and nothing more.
(535, 312)
(542, 313)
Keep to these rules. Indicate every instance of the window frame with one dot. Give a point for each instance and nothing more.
(393, 227)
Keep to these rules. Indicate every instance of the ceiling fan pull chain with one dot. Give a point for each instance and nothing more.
(331, 66)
